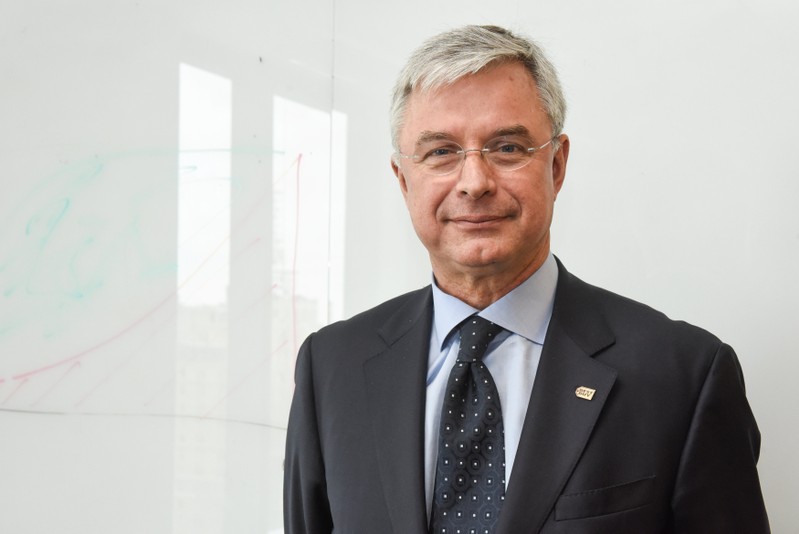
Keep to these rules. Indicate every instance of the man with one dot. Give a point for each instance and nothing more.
(610, 417)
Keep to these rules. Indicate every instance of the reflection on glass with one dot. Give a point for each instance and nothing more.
(301, 225)
(338, 205)
(203, 279)
(247, 379)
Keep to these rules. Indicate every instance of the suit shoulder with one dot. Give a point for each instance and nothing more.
(382, 312)
(363, 329)
(637, 319)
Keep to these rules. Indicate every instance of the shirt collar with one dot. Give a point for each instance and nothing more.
(525, 311)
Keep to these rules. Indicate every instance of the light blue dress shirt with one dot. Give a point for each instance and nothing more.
(512, 357)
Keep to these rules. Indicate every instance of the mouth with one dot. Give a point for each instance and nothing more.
(478, 221)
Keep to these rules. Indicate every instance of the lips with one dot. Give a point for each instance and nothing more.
(477, 219)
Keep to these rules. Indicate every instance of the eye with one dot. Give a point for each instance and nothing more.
(509, 148)
(438, 152)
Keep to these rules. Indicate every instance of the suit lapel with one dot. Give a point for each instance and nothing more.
(557, 426)
(395, 384)
(558, 423)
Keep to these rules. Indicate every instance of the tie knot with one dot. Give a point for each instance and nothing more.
(476, 334)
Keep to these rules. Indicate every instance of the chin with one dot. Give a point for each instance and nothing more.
(482, 258)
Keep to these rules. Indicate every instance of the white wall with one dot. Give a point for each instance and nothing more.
(161, 260)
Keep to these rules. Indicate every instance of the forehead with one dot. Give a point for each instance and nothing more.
(475, 105)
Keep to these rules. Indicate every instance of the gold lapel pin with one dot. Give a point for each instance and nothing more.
(585, 393)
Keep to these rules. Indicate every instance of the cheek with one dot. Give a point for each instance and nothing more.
(414, 203)
(424, 205)
(424, 202)
(536, 207)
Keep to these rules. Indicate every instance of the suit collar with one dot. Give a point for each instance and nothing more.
(558, 423)
(578, 312)
(395, 383)
(525, 310)
(557, 426)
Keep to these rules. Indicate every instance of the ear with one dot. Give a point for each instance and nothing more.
(400, 176)
(559, 162)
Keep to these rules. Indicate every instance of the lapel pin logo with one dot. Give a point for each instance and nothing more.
(585, 393)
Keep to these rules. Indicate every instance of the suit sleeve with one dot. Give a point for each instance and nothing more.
(717, 487)
(305, 504)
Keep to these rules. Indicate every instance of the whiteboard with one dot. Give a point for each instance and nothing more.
(189, 189)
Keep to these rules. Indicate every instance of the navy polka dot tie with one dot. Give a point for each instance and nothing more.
(470, 471)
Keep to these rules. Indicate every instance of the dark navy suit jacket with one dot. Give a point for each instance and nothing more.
(667, 444)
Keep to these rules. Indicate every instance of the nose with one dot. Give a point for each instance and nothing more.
(476, 178)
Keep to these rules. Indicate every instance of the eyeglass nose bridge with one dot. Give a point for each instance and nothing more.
(482, 151)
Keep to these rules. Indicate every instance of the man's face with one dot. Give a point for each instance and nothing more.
(479, 221)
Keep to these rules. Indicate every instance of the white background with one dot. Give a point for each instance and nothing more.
(187, 189)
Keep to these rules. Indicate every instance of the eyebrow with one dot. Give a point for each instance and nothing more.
(426, 136)
(517, 129)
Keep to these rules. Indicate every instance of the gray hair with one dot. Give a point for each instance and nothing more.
(448, 57)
